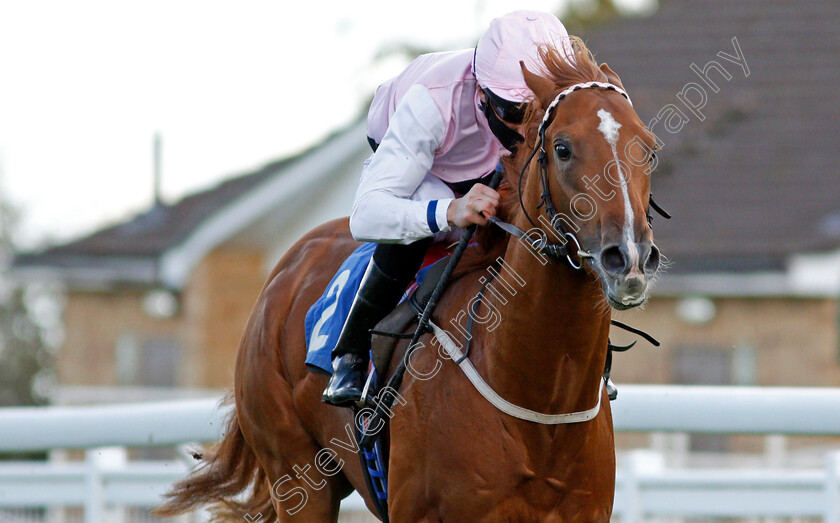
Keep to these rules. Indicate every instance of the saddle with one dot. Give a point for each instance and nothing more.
(398, 324)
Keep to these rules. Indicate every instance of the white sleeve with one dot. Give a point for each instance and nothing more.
(384, 210)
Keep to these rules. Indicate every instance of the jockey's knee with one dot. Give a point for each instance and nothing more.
(401, 261)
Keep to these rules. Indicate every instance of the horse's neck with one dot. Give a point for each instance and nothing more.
(547, 352)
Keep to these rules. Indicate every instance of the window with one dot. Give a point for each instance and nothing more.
(160, 361)
(153, 363)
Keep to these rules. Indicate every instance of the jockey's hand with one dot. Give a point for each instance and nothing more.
(474, 207)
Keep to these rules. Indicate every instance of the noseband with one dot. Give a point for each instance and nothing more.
(556, 250)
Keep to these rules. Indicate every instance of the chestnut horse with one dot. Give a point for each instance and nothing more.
(453, 455)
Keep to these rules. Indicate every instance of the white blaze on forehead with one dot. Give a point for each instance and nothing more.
(609, 127)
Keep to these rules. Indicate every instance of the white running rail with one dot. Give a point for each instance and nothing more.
(645, 488)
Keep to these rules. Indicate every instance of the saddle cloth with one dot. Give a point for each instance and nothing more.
(327, 315)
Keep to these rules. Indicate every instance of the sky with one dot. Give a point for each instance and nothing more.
(85, 85)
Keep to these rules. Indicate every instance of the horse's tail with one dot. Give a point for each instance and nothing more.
(226, 472)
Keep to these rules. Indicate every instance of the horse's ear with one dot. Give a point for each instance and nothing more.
(611, 76)
(543, 88)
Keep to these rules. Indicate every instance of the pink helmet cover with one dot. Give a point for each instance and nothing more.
(513, 37)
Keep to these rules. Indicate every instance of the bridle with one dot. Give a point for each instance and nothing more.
(555, 250)
(542, 244)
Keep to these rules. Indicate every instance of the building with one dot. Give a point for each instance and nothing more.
(160, 301)
(752, 90)
(743, 95)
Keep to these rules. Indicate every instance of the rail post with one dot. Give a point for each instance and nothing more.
(94, 500)
(97, 460)
(637, 464)
(832, 488)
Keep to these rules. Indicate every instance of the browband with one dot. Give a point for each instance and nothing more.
(577, 87)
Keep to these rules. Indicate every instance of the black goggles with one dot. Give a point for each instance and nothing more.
(506, 110)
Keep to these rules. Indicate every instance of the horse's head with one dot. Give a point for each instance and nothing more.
(590, 180)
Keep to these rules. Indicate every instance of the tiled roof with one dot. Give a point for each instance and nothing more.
(148, 235)
(753, 183)
(758, 180)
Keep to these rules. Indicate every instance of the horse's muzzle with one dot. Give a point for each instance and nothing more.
(627, 269)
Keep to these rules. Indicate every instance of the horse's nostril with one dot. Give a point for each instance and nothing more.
(613, 260)
(653, 260)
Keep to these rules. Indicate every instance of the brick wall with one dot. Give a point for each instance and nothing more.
(786, 341)
(217, 302)
(95, 322)
(214, 308)
(791, 341)
(794, 340)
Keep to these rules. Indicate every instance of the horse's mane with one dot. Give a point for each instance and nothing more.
(563, 73)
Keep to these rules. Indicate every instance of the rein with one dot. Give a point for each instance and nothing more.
(557, 251)
(543, 245)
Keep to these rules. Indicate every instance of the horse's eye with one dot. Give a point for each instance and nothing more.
(563, 152)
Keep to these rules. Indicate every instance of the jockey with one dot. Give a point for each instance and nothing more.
(438, 131)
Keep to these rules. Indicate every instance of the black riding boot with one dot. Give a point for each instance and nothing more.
(377, 296)
(391, 269)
